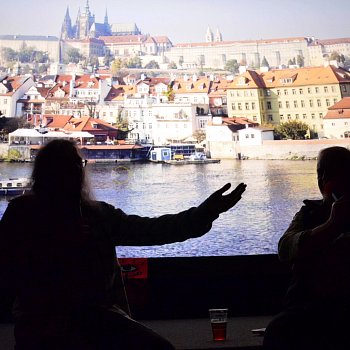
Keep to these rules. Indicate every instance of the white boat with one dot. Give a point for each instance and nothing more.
(14, 186)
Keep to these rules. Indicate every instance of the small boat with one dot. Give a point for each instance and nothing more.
(14, 186)
(194, 161)
(196, 158)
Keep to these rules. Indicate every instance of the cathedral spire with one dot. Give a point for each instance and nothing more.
(87, 7)
(106, 17)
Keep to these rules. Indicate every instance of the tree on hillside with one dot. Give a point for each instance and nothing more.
(172, 65)
(116, 66)
(295, 130)
(292, 62)
(9, 54)
(199, 135)
(152, 65)
(73, 55)
(134, 62)
(232, 66)
(264, 62)
(300, 61)
(336, 56)
(107, 59)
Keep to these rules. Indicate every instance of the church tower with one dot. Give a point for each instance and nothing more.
(209, 37)
(84, 22)
(218, 35)
(107, 27)
(67, 30)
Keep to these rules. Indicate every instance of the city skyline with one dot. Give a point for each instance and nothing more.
(187, 21)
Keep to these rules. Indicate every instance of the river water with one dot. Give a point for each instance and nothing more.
(274, 193)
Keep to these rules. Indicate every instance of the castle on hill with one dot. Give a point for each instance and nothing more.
(86, 26)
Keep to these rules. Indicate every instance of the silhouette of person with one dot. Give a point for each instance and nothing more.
(57, 249)
(317, 246)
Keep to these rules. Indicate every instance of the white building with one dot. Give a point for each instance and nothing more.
(337, 120)
(11, 90)
(254, 136)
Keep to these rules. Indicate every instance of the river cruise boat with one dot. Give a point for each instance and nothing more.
(14, 186)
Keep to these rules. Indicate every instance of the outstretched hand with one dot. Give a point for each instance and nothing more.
(218, 203)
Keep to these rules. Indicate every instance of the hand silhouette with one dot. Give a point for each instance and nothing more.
(218, 203)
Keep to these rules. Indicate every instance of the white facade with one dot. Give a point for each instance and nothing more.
(8, 99)
(336, 128)
(254, 136)
(216, 54)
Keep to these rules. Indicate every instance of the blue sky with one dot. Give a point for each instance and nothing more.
(187, 20)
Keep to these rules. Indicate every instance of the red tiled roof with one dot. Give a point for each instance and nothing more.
(344, 103)
(337, 114)
(334, 41)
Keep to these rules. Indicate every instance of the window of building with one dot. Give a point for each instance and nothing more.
(317, 89)
(294, 92)
(278, 92)
(325, 89)
(252, 136)
(281, 117)
(333, 88)
(143, 125)
(150, 126)
(233, 105)
(247, 105)
(319, 103)
(297, 116)
(344, 88)
(312, 115)
(311, 103)
(304, 116)
(301, 91)
(247, 136)
(255, 118)
(327, 102)
(288, 116)
(279, 104)
(285, 91)
(302, 102)
(334, 101)
(287, 104)
(239, 106)
(320, 115)
(270, 117)
(269, 105)
(295, 104)
(333, 124)
(309, 90)
(253, 105)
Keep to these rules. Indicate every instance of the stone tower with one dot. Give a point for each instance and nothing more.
(209, 37)
(67, 29)
(218, 35)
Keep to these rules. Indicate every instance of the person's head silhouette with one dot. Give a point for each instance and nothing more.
(333, 172)
(58, 174)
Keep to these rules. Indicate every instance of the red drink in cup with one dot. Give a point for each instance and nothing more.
(218, 320)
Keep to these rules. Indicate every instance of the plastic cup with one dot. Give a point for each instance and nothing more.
(218, 320)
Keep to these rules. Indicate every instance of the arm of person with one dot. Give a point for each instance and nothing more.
(300, 243)
(194, 222)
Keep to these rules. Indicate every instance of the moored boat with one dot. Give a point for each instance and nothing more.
(14, 186)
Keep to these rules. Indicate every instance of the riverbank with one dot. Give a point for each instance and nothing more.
(268, 150)
(274, 149)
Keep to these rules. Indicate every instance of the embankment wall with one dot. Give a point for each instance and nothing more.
(277, 149)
